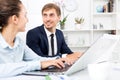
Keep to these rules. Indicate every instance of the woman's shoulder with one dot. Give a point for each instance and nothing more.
(20, 40)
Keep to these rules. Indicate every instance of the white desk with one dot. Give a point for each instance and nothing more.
(98, 70)
(82, 75)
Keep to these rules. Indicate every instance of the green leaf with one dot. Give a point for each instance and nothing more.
(62, 22)
(47, 78)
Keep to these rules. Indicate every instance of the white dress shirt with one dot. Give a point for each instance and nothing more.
(55, 42)
(17, 59)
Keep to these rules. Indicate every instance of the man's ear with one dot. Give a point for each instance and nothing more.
(59, 17)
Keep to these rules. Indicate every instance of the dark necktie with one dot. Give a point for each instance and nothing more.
(52, 44)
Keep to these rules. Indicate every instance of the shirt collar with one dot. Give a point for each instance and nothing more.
(4, 44)
(48, 32)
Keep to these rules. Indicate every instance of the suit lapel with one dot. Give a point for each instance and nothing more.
(58, 41)
(44, 36)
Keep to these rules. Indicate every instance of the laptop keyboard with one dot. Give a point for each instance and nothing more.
(55, 69)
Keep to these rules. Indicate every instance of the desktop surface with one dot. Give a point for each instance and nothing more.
(81, 75)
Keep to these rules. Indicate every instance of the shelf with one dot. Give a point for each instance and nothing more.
(102, 22)
(103, 29)
(77, 30)
(78, 46)
(104, 14)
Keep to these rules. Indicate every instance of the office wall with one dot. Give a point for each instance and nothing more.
(34, 13)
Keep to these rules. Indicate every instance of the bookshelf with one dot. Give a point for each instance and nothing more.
(101, 22)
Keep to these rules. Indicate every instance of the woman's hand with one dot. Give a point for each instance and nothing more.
(57, 63)
(69, 59)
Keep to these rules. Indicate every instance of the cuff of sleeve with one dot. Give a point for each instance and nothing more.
(34, 65)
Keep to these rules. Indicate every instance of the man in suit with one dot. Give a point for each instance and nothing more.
(39, 38)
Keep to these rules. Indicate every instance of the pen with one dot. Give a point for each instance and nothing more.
(101, 62)
(61, 78)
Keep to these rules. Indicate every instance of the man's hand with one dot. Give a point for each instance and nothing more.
(71, 58)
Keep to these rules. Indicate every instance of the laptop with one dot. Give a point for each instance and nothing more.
(103, 46)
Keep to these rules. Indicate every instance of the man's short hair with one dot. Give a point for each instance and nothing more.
(52, 6)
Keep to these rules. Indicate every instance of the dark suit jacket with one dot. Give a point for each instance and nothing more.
(37, 40)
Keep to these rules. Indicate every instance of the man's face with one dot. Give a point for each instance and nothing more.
(50, 18)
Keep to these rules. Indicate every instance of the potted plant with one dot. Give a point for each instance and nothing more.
(62, 22)
(78, 22)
